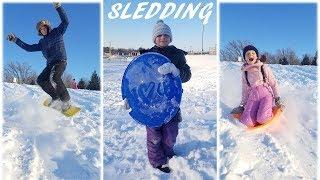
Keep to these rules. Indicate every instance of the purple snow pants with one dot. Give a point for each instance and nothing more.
(258, 108)
(160, 141)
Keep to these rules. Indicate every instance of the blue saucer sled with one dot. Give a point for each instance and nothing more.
(154, 98)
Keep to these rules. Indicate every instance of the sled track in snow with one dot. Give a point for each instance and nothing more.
(41, 143)
(248, 154)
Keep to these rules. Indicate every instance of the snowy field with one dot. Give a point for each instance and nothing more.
(287, 149)
(125, 152)
(41, 143)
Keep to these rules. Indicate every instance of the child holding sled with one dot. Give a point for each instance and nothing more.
(53, 49)
(160, 140)
(259, 90)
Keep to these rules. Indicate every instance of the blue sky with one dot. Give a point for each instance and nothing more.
(82, 38)
(130, 33)
(271, 26)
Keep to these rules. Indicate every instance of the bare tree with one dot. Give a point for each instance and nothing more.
(271, 59)
(21, 71)
(289, 54)
(232, 50)
(33, 79)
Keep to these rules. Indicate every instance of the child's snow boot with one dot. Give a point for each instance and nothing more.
(172, 155)
(54, 103)
(65, 105)
(164, 168)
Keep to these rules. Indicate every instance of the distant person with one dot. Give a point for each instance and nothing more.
(259, 90)
(74, 84)
(53, 49)
(14, 80)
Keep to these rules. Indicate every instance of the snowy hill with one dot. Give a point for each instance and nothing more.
(286, 150)
(41, 143)
(125, 151)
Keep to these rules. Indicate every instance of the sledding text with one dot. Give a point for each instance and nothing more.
(146, 10)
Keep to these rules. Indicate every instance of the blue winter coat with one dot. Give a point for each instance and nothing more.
(177, 57)
(51, 45)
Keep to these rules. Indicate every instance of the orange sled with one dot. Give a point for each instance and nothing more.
(276, 111)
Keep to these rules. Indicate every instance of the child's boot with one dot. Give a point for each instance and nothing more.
(164, 168)
(65, 105)
(54, 103)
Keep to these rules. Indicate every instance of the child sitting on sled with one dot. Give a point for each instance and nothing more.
(259, 90)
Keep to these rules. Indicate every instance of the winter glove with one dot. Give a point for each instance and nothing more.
(237, 110)
(167, 68)
(11, 37)
(56, 4)
(126, 105)
(278, 102)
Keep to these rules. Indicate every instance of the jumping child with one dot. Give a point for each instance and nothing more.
(53, 49)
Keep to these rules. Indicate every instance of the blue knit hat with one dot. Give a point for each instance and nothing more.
(159, 29)
(248, 48)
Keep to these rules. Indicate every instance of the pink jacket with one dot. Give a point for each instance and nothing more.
(74, 85)
(255, 78)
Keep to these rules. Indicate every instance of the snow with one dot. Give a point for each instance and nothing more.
(41, 143)
(125, 151)
(287, 149)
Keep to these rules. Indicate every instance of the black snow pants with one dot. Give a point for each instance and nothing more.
(43, 80)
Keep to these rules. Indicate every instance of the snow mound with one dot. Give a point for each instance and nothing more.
(41, 143)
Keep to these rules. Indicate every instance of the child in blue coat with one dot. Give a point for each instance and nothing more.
(53, 49)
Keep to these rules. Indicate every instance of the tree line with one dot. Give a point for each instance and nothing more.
(285, 56)
(22, 73)
(120, 51)
(93, 84)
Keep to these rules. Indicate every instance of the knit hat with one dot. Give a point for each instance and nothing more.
(248, 48)
(43, 22)
(159, 29)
